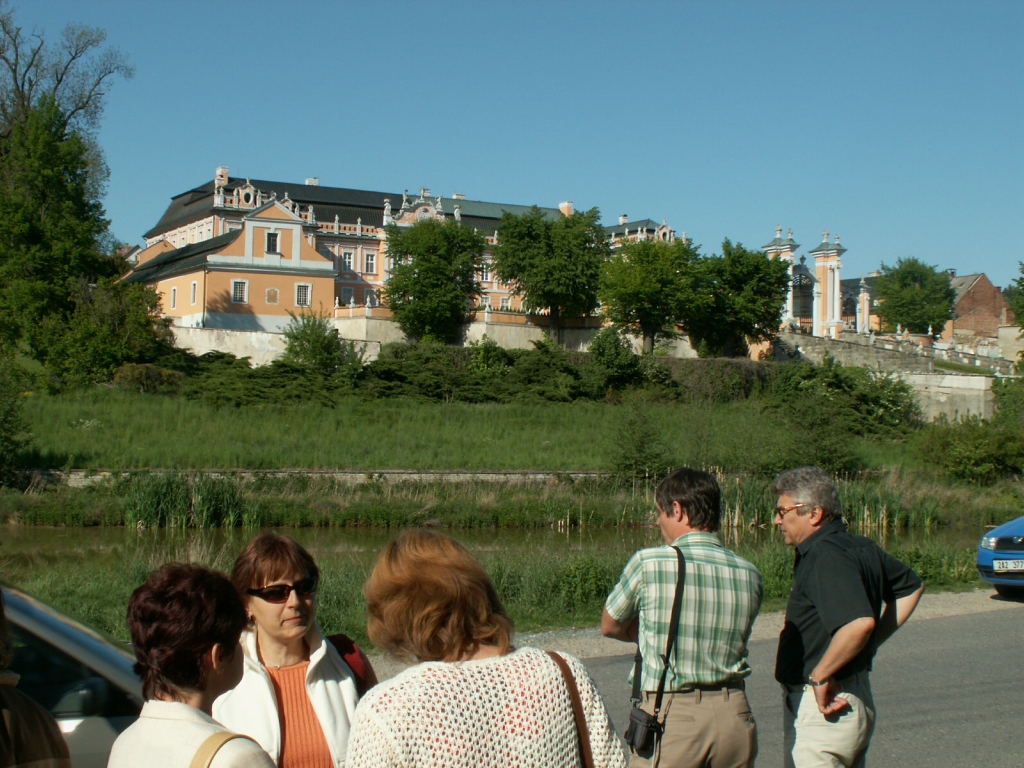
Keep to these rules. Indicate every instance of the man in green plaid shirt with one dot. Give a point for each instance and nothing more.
(706, 716)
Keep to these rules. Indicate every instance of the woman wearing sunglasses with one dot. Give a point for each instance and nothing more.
(299, 690)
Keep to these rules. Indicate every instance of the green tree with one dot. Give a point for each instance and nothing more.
(554, 264)
(312, 342)
(736, 298)
(50, 225)
(646, 287)
(913, 295)
(13, 429)
(434, 278)
(112, 323)
(1014, 294)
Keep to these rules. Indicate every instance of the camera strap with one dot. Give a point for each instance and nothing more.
(673, 629)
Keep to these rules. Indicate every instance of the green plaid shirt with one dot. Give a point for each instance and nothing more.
(721, 598)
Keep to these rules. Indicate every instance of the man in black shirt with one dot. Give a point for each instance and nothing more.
(848, 597)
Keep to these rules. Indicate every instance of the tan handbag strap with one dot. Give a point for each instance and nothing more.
(209, 748)
(582, 731)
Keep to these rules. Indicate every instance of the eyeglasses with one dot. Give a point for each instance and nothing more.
(279, 593)
(783, 511)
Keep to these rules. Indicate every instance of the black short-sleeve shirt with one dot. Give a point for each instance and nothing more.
(838, 577)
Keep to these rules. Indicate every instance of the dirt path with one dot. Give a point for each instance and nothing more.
(587, 642)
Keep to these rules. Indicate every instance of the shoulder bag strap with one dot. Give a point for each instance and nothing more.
(351, 655)
(582, 731)
(673, 628)
(209, 748)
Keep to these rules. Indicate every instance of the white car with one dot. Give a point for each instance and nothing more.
(86, 682)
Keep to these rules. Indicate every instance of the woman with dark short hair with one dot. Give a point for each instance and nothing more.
(185, 622)
(474, 700)
(300, 689)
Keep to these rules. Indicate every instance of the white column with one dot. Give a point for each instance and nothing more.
(817, 324)
(789, 295)
(839, 292)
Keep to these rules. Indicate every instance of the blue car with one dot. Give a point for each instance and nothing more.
(1001, 558)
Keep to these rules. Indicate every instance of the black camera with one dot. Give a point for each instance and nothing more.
(643, 732)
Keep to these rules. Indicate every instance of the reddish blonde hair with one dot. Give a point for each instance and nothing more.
(428, 598)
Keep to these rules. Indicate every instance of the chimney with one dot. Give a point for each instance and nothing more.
(313, 181)
(458, 196)
(565, 207)
(220, 178)
(623, 219)
(951, 273)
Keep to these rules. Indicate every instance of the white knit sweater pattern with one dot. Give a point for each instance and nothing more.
(509, 711)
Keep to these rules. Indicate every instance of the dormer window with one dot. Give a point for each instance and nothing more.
(272, 242)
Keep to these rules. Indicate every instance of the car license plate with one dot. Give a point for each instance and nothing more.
(1001, 566)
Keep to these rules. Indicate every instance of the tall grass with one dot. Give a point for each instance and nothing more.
(891, 501)
(545, 579)
(114, 429)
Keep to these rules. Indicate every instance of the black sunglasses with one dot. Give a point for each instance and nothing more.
(278, 593)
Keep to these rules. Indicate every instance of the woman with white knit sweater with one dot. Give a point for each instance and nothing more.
(473, 700)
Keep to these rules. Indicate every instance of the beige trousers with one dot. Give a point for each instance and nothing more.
(712, 729)
(838, 741)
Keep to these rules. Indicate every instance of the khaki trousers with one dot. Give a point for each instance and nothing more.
(838, 741)
(712, 729)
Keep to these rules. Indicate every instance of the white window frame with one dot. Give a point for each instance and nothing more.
(195, 286)
(174, 297)
(348, 294)
(347, 260)
(277, 242)
(245, 291)
(506, 303)
(309, 294)
(370, 262)
(485, 272)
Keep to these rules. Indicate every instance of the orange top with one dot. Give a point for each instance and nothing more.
(302, 738)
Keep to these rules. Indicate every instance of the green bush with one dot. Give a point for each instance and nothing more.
(312, 342)
(973, 450)
(720, 380)
(14, 434)
(148, 378)
(638, 454)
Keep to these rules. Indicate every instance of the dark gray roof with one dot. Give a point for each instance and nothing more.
(780, 244)
(348, 204)
(648, 225)
(852, 284)
(183, 259)
(826, 247)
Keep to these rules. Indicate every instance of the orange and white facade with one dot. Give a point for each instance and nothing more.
(346, 227)
(250, 276)
(819, 301)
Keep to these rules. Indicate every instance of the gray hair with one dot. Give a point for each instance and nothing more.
(811, 486)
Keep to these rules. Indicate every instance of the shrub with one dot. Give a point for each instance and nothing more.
(148, 378)
(14, 436)
(719, 380)
(638, 455)
(973, 450)
(312, 342)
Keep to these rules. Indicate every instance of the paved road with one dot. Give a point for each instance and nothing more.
(948, 693)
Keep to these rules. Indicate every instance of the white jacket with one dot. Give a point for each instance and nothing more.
(169, 733)
(251, 707)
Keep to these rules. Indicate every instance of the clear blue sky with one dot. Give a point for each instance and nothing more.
(899, 125)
